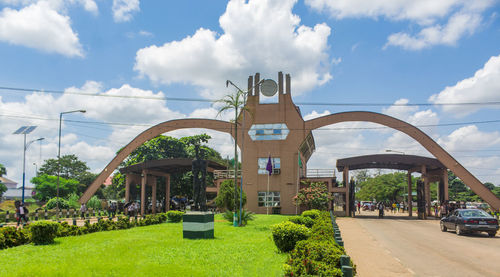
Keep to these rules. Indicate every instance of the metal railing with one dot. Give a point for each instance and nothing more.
(319, 173)
(225, 174)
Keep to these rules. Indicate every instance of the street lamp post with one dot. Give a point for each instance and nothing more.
(59, 156)
(24, 131)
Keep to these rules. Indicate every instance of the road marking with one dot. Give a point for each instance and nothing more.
(411, 271)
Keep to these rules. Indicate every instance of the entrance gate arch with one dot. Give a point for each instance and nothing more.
(427, 142)
(217, 125)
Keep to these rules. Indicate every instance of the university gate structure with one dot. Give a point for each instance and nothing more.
(278, 130)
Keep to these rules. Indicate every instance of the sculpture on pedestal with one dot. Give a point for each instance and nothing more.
(199, 169)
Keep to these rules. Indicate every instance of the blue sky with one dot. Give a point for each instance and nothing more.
(337, 51)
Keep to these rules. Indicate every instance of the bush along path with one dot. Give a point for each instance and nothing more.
(314, 245)
(44, 232)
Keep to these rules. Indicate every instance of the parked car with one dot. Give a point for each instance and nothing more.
(470, 220)
(368, 206)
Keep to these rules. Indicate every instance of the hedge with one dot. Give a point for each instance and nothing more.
(319, 254)
(175, 216)
(43, 232)
(302, 220)
(287, 234)
(313, 214)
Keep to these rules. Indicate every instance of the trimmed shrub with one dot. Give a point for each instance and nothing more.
(14, 237)
(2, 241)
(52, 203)
(287, 234)
(313, 214)
(44, 232)
(175, 216)
(302, 220)
(313, 257)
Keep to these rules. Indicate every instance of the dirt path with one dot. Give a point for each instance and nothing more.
(398, 246)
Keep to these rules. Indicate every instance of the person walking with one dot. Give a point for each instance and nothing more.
(21, 213)
(380, 208)
(83, 210)
(393, 207)
(359, 207)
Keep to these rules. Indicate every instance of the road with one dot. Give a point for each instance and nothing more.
(400, 246)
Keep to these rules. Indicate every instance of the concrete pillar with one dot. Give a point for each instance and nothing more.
(153, 197)
(410, 197)
(445, 181)
(346, 184)
(167, 192)
(128, 180)
(143, 191)
(427, 191)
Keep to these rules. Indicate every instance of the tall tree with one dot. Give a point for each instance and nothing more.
(385, 187)
(71, 167)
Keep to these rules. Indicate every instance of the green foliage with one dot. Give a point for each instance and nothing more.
(3, 188)
(319, 255)
(73, 201)
(175, 216)
(302, 220)
(245, 216)
(386, 187)
(313, 214)
(117, 188)
(315, 258)
(313, 196)
(71, 167)
(225, 197)
(94, 203)
(44, 232)
(10, 237)
(161, 147)
(46, 187)
(52, 203)
(287, 234)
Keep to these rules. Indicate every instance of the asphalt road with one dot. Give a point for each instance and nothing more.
(399, 246)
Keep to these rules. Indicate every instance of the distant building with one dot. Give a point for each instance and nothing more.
(13, 192)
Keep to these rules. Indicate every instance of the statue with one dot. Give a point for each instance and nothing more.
(199, 169)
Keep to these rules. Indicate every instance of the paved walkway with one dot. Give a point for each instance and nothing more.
(399, 246)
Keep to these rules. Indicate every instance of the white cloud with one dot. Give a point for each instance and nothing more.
(33, 24)
(463, 18)
(469, 137)
(484, 86)
(258, 36)
(123, 9)
(458, 25)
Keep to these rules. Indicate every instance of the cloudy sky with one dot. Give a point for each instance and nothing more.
(424, 62)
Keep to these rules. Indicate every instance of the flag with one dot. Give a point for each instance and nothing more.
(269, 166)
(300, 162)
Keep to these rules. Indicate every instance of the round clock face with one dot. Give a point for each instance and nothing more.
(268, 87)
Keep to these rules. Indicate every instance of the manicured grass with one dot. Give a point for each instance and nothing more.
(157, 250)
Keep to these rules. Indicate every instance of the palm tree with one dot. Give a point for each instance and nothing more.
(234, 102)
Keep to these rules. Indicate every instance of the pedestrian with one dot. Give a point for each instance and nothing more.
(113, 210)
(380, 210)
(359, 207)
(402, 206)
(393, 207)
(83, 210)
(444, 209)
(397, 206)
(21, 213)
(436, 210)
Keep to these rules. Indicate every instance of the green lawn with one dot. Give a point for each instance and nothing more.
(157, 250)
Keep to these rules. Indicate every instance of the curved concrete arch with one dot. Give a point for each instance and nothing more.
(427, 142)
(217, 125)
